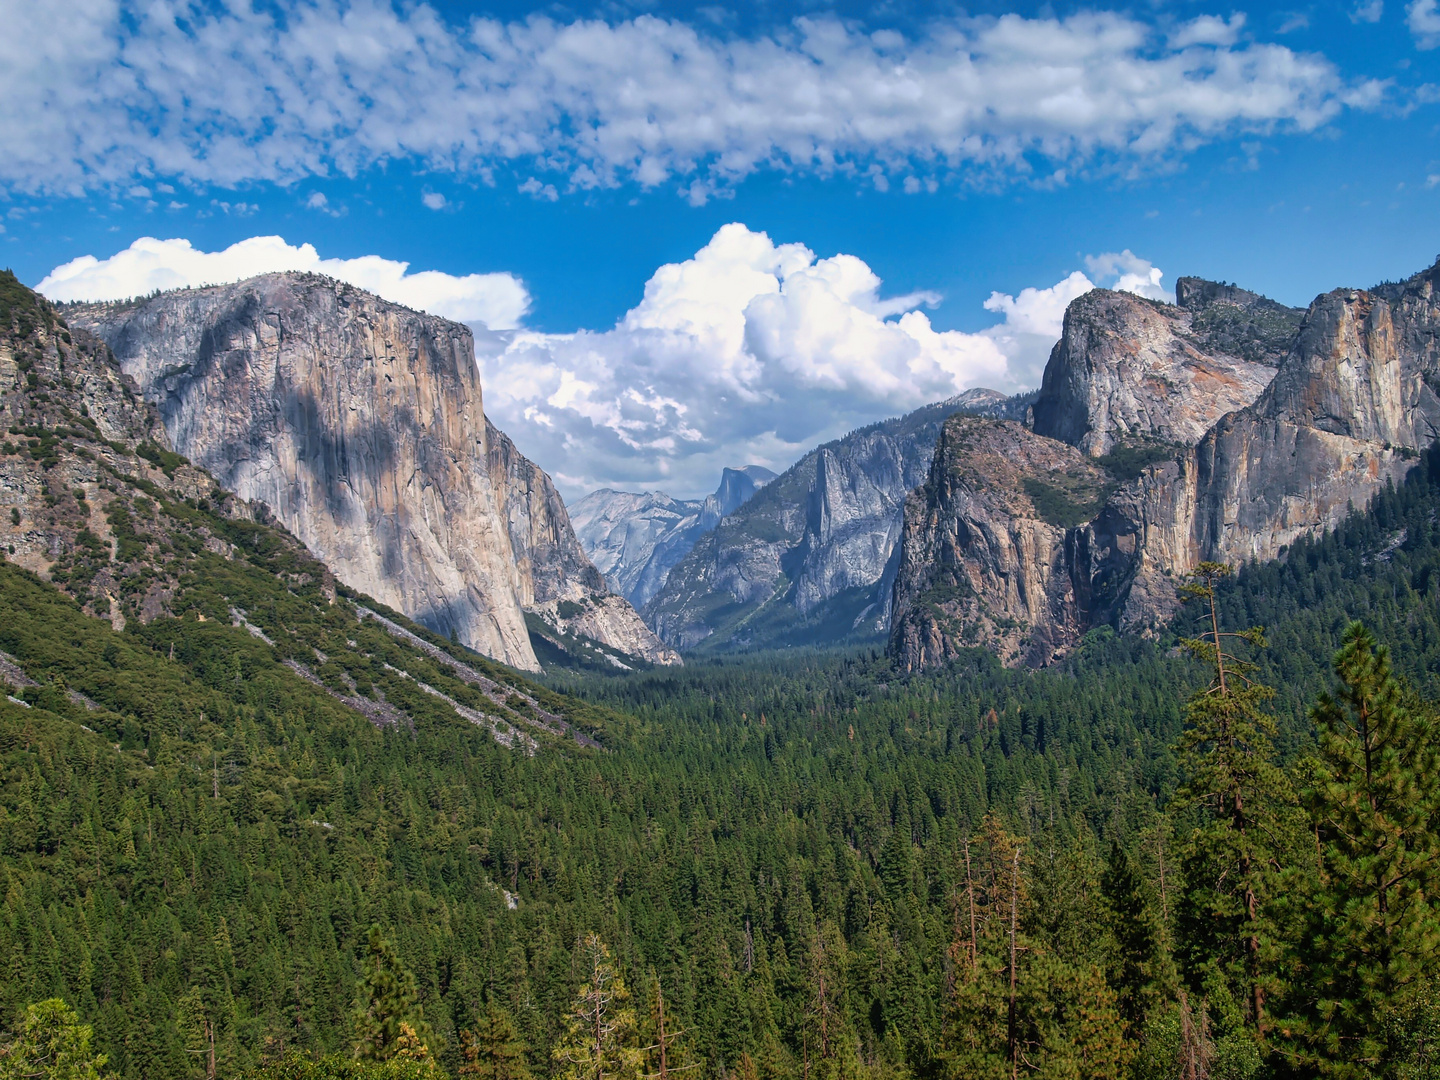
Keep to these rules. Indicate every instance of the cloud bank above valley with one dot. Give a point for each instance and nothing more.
(748, 352)
(230, 93)
(754, 352)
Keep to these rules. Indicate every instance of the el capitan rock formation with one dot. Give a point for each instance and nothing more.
(359, 424)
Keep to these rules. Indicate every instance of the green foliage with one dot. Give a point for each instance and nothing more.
(1240, 798)
(389, 1020)
(1066, 501)
(297, 1066)
(1127, 460)
(19, 306)
(1136, 964)
(1018, 1004)
(493, 1050)
(599, 1040)
(53, 1044)
(1372, 924)
(166, 460)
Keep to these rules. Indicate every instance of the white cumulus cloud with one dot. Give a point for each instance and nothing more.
(753, 351)
(110, 93)
(750, 351)
(496, 301)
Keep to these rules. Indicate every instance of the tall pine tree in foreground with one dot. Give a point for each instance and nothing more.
(1136, 965)
(1018, 1008)
(493, 1050)
(1239, 796)
(599, 1041)
(1373, 922)
(52, 1044)
(389, 1022)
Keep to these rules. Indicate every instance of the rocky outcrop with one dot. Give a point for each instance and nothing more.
(553, 571)
(605, 619)
(1129, 370)
(636, 538)
(359, 424)
(984, 560)
(83, 458)
(1353, 401)
(738, 486)
(811, 558)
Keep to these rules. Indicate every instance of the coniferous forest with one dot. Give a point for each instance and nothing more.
(1215, 854)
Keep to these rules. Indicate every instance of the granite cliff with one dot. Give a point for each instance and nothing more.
(359, 424)
(1128, 369)
(635, 538)
(558, 584)
(810, 558)
(1350, 404)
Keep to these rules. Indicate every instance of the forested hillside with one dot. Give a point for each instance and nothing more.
(248, 820)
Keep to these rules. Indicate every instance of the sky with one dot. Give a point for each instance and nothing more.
(689, 236)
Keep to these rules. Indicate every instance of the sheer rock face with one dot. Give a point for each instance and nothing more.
(359, 423)
(811, 557)
(1130, 369)
(980, 565)
(554, 572)
(1356, 396)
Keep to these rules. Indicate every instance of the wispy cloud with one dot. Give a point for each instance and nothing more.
(1368, 11)
(1423, 17)
(229, 92)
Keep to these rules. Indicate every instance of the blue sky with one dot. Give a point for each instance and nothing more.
(551, 160)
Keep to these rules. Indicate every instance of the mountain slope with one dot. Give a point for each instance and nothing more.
(359, 424)
(140, 540)
(809, 559)
(634, 539)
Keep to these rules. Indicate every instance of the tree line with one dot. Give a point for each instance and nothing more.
(795, 865)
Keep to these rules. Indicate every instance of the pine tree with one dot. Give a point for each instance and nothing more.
(1374, 917)
(1136, 960)
(664, 1054)
(599, 1038)
(1241, 797)
(493, 1050)
(52, 1044)
(388, 1018)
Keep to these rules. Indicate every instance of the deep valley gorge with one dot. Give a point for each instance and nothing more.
(336, 746)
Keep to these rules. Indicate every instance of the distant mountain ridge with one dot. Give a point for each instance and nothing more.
(810, 558)
(634, 538)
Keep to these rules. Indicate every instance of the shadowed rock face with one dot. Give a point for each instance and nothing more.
(359, 423)
(554, 573)
(1353, 401)
(984, 560)
(811, 557)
